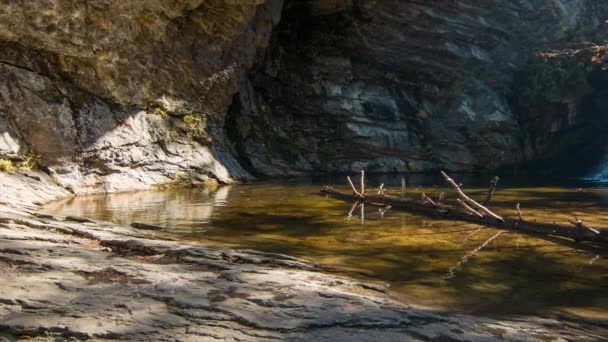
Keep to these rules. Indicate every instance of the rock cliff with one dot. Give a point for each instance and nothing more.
(117, 95)
(407, 85)
(123, 95)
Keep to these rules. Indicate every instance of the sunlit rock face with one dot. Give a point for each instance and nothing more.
(400, 85)
(118, 95)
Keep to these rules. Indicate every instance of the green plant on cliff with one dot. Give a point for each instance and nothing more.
(196, 124)
(556, 79)
(30, 162)
(161, 112)
(7, 166)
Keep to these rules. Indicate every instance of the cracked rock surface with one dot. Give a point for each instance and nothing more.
(63, 279)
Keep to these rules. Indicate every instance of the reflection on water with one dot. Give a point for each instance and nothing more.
(446, 264)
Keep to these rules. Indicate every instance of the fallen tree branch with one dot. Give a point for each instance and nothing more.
(467, 208)
(459, 213)
(469, 200)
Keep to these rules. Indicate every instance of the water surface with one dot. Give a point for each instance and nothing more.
(448, 265)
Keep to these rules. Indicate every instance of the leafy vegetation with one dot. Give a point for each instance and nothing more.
(195, 124)
(30, 162)
(6, 165)
(161, 112)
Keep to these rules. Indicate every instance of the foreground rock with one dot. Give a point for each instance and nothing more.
(94, 280)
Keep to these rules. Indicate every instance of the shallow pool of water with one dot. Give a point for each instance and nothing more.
(437, 263)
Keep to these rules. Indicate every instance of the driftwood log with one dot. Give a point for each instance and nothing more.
(471, 211)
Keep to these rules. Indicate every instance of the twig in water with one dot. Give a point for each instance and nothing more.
(491, 190)
(521, 218)
(362, 182)
(381, 189)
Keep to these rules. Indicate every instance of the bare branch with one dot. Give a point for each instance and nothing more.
(521, 218)
(467, 208)
(427, 199)
(491, 190)
(580, 225)
(381, 189)
(469, 200)
(362, 182)
(352, 186)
